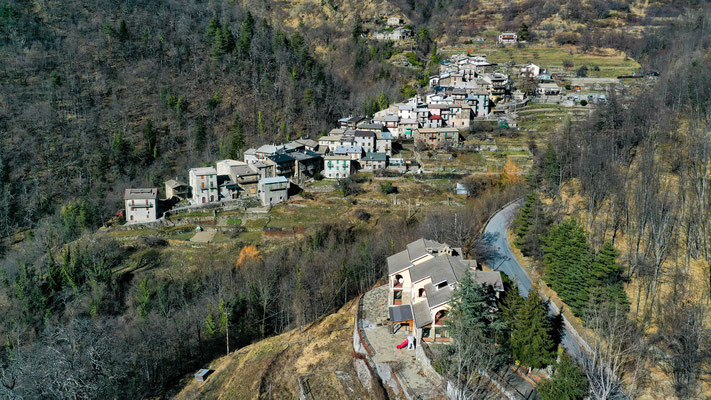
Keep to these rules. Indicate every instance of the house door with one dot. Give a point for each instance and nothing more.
(212, 198)
(131, 217)
(204, 200)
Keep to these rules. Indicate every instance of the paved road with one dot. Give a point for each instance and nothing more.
(505, 261)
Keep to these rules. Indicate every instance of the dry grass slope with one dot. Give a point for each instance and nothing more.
(270, 369)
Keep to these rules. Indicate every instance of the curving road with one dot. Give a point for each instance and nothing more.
(505, 261)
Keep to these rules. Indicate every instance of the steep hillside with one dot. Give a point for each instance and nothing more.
(271, 368)
(100, 95)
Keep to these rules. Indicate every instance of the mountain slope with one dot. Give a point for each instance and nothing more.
(270, 369)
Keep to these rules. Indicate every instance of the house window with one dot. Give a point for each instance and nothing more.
(397, 297)
(202, 184)
(131, 217)
(204, 200)
(421, 292)
(441, 285)
(439, 317)
(212, 198)
(426, 332)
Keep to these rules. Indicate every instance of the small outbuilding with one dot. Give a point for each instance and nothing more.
(202, 374)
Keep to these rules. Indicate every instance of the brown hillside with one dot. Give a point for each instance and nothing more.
(270, 369)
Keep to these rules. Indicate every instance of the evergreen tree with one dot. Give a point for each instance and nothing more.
(568, 382)
(236, 138)
(223, 42)
(123, 31)
(524, 220)
(245, 34)
(200, 134)
(472, 307)
(532, 333)
(212, 29)
(227, 39)
(606, 279)
(523, 33)
(478, 331)
(567, 262)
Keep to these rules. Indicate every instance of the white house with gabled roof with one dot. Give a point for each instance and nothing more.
(422, 279)
(203, 182)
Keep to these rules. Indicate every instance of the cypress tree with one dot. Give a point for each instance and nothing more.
(532, 335)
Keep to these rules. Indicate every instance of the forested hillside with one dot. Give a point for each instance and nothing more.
(634, 178)
(97, 95)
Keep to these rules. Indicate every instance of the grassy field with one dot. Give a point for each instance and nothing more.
(443, 162)
(610, 65)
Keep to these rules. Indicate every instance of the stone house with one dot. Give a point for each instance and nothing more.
(273, 190)
(384, 143)
(176, 189)
(422, 279)
(280, 164)
(366, 140)
(338, 167)
(203, 183)
(141, 205)
(353, 152)
(306, 164)
(437, 138)
(374, 161)
(330, 142)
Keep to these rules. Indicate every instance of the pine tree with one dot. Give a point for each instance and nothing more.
(212, 29)
(123, 31)
(567, 383)
(606, 280)
(567, 262)
(532, 333)
(227, 39)
(523, 32)
(236, 138)
(245, 34)
(523, 223)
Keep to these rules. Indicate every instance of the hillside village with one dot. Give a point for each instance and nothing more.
(467, 89)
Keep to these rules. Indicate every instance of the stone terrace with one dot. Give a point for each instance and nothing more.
(375, 325)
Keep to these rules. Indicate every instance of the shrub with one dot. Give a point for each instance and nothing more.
(234, 221)
(362, 215)
(152, 241)
(318, 176)
(388, 188)
(583, 103)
